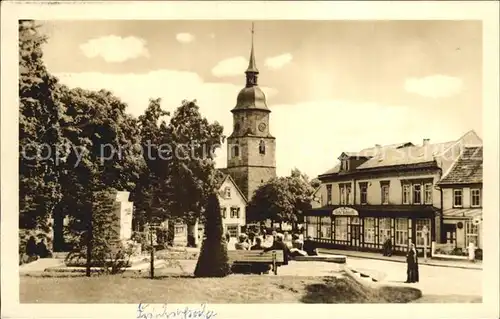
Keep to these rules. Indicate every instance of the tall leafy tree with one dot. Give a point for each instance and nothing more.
(193, 141)
(282, 199)
(40, 135)
(150, 192)
(103, 152)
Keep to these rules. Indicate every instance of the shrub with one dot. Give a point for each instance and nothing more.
(457, 252)
(478, 254)
(213, 259)
(24, 235)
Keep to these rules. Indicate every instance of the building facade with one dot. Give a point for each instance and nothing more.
(251, 159)
(233, 206)
(462, 190)
(383, 192)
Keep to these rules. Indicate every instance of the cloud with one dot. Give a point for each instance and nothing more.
(184, 37)
(215, 99)
(115, 49)
(309, 135)
(230, 67)
(434, 86)
(279, 61)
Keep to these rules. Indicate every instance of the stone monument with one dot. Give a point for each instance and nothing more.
(123, 209)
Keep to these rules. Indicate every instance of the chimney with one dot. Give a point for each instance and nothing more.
(379, 154)
(425, 142)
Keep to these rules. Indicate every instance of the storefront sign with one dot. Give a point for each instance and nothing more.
(345, 211)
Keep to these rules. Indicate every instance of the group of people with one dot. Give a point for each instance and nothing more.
(36, 250)
(254, 241)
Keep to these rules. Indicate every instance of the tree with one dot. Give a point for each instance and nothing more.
(193, 141)
(213, 259)
(40, 135)
(149, 196)
(282, 199)
(106, 250)
(102, 155)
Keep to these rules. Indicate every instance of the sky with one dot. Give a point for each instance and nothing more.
(332, 86)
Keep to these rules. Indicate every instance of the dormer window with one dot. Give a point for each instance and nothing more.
(344, 165)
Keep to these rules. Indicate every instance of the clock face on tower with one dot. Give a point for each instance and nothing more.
(262, 127)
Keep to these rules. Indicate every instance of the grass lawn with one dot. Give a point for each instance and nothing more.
(231, 289)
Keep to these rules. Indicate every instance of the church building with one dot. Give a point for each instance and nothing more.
(251, 149)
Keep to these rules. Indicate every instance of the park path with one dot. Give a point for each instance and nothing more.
(40, 265)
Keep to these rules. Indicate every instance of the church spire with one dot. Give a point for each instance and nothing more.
(252, 71)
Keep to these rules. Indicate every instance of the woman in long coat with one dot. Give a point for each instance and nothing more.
(412, 265)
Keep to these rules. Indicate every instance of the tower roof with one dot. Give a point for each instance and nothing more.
(251, 96)
(252, 66)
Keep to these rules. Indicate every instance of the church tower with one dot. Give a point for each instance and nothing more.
(251, 148)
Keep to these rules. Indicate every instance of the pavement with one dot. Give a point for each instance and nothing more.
(402, 259)
(454, 282)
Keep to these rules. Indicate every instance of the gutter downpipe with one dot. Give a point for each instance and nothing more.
(441, 222)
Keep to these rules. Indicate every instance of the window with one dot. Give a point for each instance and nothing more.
(312, 226)
(227, 192)
(384, 227)
(363, 192)
(457, 198)
(428, 193)
(236, 150)
(471, 233)
(419, 232)
(342, 195)
(329, 194)
(232, 230)
(475, 200)
(235, 212)
(262, 147)
(406, 194)
(326, 228)
(345, 194)
(369, 229)
(346, 165)
(341, 228)
(417, 194)
(385, 194)
(401, 231)
(223, 212)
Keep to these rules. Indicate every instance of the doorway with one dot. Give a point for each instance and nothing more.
(355, 235)
(450, 231)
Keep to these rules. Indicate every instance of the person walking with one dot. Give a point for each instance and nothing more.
(412, 265)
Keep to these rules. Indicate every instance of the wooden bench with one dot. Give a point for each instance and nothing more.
(274, 258)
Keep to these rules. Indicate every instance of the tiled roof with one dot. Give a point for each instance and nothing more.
(220, 176)
(468, 169)
(405, 155)
(395, 154)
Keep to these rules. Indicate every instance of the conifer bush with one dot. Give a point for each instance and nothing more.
(213, 260)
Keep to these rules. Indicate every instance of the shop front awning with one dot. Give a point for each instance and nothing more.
(420, 211)
(467, 213)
